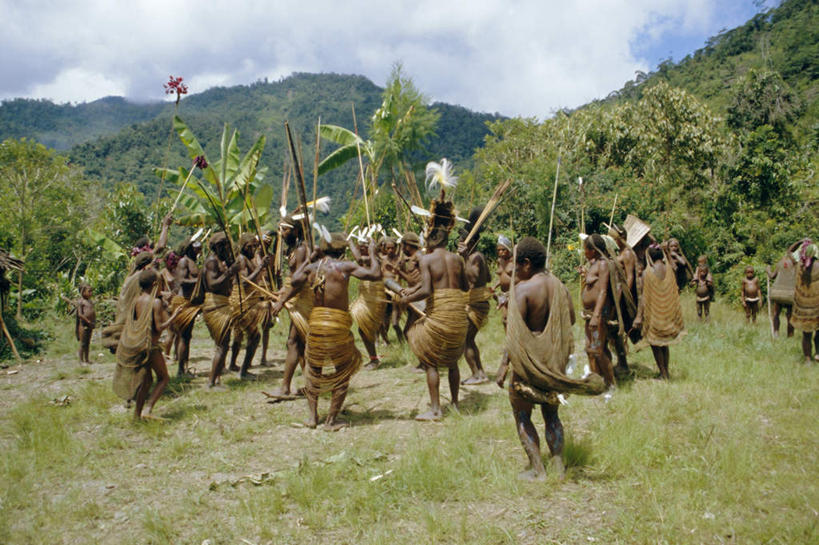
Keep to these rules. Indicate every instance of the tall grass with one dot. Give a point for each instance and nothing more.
(723, 453)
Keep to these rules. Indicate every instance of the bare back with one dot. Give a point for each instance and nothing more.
(445, 270)
(477, 271)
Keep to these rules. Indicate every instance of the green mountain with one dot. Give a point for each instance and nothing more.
(133, 139)
(61, 126)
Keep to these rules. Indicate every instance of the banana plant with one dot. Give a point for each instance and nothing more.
(228, 184)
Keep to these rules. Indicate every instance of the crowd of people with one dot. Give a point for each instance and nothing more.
(630, 293)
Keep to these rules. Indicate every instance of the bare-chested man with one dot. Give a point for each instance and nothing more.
(627, 266)
(299, 308)
(217, 310)
(187, 278)
(539, 341)
(369, 308)
(247, 314)
(330, 343)
(86, 321)
(437, 339)
(751, 294)
(391, 261)
(409, 269)
(597, 307)
(477, 275)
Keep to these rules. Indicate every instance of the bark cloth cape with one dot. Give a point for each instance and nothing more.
(369, 307)
(134, 350)
(130, 291)
(806, 300)
(478, 309)
(784, 284)
(538, 360)
(662, 313)
(437, 339)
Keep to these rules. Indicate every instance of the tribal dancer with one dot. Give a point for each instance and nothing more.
(477, 274)
(393, 309)
(369, 308)
(598, 307)
(246, 305)
(437, 339)
(138, 350)
(539, 342)
(188, 281)
(299, 307)
(332, 357)
(659, 315)
(216, 310)
(504, 272)
(806, 298)
(624, 284)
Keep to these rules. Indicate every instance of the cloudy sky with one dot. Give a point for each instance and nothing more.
(514, 57)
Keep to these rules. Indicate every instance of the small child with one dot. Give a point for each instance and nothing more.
(750, 294)
(85, 322)
(704, 283)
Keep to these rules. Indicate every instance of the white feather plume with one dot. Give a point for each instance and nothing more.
(462, 220)
(197, 234)
(298, 217)
(397, 234)
(322, 204)
(323, 232)
(418, 211)
(440, 175)
(283, 211)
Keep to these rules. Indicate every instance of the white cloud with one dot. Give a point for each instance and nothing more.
(528, 57)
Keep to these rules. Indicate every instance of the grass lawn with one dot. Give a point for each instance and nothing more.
(726, 452)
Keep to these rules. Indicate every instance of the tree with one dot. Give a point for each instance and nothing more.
(45, 208)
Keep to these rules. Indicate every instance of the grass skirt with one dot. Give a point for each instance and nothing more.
(331, 354)
(437, 339)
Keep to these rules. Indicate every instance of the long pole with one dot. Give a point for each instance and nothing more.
(308, 234)
(613, 207)
(552, 216)
(361, 168)
(315, 165)
(184, 185)
(770, 314)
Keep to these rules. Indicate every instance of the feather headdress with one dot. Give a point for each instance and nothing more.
(439, 175)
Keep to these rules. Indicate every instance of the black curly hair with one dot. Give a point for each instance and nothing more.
(530, 248)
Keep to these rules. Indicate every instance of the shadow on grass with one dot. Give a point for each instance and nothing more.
(180, 413)
(357, 415)
(474, 402)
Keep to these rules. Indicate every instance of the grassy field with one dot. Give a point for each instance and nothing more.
(726, 452)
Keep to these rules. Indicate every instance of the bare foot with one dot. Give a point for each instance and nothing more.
(556, 466)
(429, 416)
(310, 423)
(478, 378)
(373, 365)
(419, 369)
(335, 426)
(265, 363)
(532, 476)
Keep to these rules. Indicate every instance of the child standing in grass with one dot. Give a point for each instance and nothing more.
(85, 323)
(704, 284)
(750, 294)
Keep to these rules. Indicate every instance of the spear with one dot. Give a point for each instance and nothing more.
(611, 218)
(361, 168)
(308, 234)
(552, 217)
(490, 207)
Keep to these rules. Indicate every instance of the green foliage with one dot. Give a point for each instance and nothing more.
(28, 341)
(45, 208)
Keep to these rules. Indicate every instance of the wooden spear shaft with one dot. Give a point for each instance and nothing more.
(361, 168)
(308, 234)
(552, 216)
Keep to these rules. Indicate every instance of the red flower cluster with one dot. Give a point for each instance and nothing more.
(200, 162)
(175, 85)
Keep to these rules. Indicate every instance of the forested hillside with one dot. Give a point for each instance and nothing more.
(719, 150)
(61, 126)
